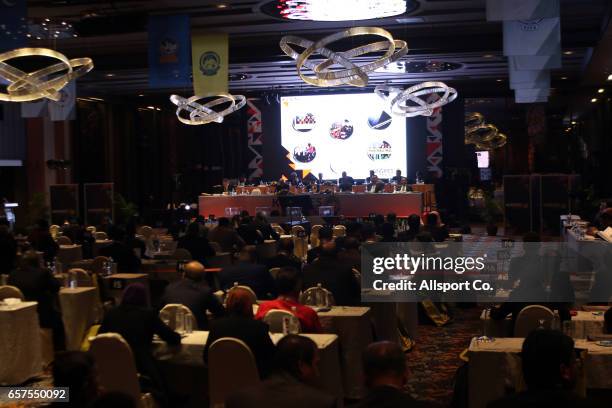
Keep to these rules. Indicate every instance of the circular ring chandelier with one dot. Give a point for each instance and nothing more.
(192, 112)
(483, 135)
(43, 83)
(409, 103)
(352, 74)
(325, 10)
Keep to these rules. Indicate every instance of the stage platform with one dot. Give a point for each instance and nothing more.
(346, 204)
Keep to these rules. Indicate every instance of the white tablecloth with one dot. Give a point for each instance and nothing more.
(491, 368)
(20, 345)
(192, 349)
(78, 313)
(582, 325)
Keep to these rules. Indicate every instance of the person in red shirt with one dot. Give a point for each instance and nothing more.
(288, 287)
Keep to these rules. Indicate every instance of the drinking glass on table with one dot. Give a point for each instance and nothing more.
(179, 321)
(188, 324)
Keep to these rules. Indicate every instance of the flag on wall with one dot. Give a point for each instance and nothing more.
(64, 109)
(209, 54)
(169, 48)
(13, 24)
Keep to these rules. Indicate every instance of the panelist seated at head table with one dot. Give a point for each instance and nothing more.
(346, 182)
(375, 185)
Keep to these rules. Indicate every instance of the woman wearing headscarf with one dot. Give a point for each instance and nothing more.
(136, 322)
(240, 324)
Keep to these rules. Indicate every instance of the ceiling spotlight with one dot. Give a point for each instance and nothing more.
(564, 78)
(568, 52)
(499, 80)
(47, 20)
(110, 75)
(593, 100)
(601, 90)
(488, 56)
(140, 94)
(63, 23)
(573, 122)
(221, 6)
(610, 77)
(151, 107)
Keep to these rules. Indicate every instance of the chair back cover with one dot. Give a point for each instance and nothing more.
(274, 272)
(300, 247)
(248, 289)
(115, 364)
(317, 296)
(274, 319)
(63, 240)
(297, 230)
(54, 230)
(181, 254)
(82, 277)
(91, 229)
(168, 312)
(231, 367)
(146, 232)
(339, 231)
(314, 235)
(529, 319)
(8, 291)
(100, 236)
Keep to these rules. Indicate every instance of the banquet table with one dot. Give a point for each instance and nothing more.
(583, 324)
(350, 204)
(68, 254)
(493, 365)
(20, 343)
(79, 312)
(177, 364)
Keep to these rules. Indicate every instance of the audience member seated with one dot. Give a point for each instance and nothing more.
(38, 284)
(368, 233)
(75, 370)
(248, 273)
(334, 275)
(226, 236)
(127, 261)
(240, 324)
(388, 233)
(41, 240)
(248, 231)
(284, 256)
(386, 374)
(74, 230)
(193, 292)
(290, 385)
(263, 226)
(326, 234)
(137, 323)
(549, 370)
(8, 248)
(351, 254)
(288, 286)
(197, 245)
(434, 226)
(414, 227)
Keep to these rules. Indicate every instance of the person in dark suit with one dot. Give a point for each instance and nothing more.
(226, 236)
(38, 285)
(351, 254)
(127, 261)
(194, 293)
(326, 234)
(434, 226)
(369, 178)
(137, 323)
(386, 374)
(398, 177)
(334, 275)
(414, 227)
(8, 248)
(240, 324)
(346, 182)
(197, 245)
(296, 368)
(375, 185)
(549, 369)
(248, 273)
(263, 226)
(249, 232)
(41, 240)
(284, 256)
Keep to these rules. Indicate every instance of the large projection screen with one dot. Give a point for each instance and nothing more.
(330, 134)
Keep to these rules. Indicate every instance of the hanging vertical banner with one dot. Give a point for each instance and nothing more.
(64, 109)
(210, 63)
(169, 51)
(434, 139)
(35, 109)
(13, 24)
(255, 138)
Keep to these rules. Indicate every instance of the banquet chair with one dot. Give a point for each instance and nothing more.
(116, 368)
(278, 229)
(300, 247)
(54, 230)
(297, 230)
(215, 245)
(529, 319)
(82, 277)
(100, 236)
(231, 367)
(256, 191)
(314, 235)
(8, 291)
(146, 232)
(266, 249)
(315, 295)
(339, 231)
(63, 240)
(274, 318)
(168, 313)
(91, 229)
(181, 254)
(248, 289)
(274, 272)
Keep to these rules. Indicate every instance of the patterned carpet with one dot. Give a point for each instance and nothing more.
(435, 358)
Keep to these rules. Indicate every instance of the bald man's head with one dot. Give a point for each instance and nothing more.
(194, 271)
(384, 363)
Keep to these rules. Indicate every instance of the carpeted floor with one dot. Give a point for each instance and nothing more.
(435, 358)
